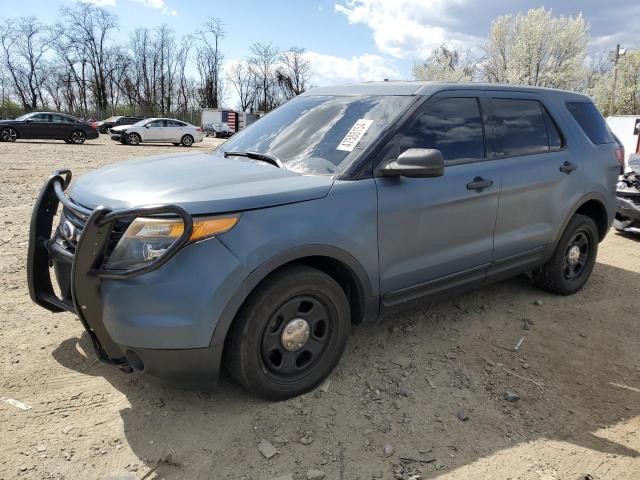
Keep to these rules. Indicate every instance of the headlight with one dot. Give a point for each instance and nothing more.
(146, 239)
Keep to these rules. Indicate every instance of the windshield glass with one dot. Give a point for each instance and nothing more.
(319, 134)
(141, 122)
(24, 117)
(112, 119)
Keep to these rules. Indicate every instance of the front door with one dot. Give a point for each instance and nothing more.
(154, 131)
(439, 230)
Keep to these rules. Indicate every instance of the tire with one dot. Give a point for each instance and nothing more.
(572, 262)
(176, 144)
(66, 140)
(103, 130)
(9, 134)
(77, 137)
(186, 141)
(296, 298)
(133, 139)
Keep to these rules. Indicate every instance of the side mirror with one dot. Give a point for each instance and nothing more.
(416, 163)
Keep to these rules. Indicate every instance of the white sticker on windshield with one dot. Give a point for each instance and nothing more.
(354, 135)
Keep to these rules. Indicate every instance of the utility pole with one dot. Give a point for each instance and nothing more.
(615, 56)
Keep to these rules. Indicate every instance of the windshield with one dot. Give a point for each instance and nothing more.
(141, 122)
(24, 117)
(112, 119)
(319, 134)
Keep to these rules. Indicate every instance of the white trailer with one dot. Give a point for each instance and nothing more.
(627, 129)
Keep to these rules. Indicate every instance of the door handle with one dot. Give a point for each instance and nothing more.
(568, 167)
(479, 183)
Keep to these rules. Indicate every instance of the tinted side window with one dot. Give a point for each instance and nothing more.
(591, 122)
(519, 126)
(40, 117)
(59, 119)
(451, 125)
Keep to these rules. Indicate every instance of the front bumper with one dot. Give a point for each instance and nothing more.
(83, 281)
(628, 214)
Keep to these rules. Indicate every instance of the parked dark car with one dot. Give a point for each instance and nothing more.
(218, 130)
(339, 206)
(105, 125)
(48, 126)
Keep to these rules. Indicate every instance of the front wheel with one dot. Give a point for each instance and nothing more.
(78, 137)
(572, 262)
(9, 134)
(289, 334)
(187, 140)
(133, 139)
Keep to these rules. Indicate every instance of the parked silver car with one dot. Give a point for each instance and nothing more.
(155, 130)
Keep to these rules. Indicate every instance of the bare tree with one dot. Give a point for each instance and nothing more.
(263, 63)
(24, 46)
(89, 28)
(294, 73)
(241, 77)
(209, 61)
(444, 64)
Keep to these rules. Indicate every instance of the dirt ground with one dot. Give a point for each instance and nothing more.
(419, 395)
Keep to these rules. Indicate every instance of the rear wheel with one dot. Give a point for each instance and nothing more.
(187, 140)
(78, 137)
(133, 139)
(9, 134)
(572, 262)
(290, 334)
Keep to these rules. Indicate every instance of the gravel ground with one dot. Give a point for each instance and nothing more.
(421, 394)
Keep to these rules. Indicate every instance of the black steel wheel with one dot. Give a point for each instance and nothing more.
(290, 334)
(9, 134)
(572, 262)
(77, 137)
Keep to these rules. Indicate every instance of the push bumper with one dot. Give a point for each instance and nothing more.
(81, 274)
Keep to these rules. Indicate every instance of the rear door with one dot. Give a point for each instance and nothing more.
(61, 126)
(540, 179)
(435, 230)
(175, 130)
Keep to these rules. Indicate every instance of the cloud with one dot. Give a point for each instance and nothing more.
(101, 3)
(159, 5)
(329, 69)
(408, 28)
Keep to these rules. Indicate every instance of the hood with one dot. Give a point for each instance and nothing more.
(199, 183)
(119, 128)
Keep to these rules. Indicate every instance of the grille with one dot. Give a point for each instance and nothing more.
(71, 241)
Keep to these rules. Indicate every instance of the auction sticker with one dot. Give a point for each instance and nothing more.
(353, 136)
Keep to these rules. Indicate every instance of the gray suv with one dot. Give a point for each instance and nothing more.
(342, 204)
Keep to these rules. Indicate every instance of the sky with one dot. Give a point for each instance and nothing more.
(352, 40)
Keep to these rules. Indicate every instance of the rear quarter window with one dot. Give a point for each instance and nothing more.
(590, 121)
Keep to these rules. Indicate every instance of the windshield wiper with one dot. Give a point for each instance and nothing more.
(275, 161)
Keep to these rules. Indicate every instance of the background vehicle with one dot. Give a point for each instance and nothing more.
(218, 130)
(157, 130)
(343, 203)
(628, 193)
(105, 125)
(627, 130)
(47, 126)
